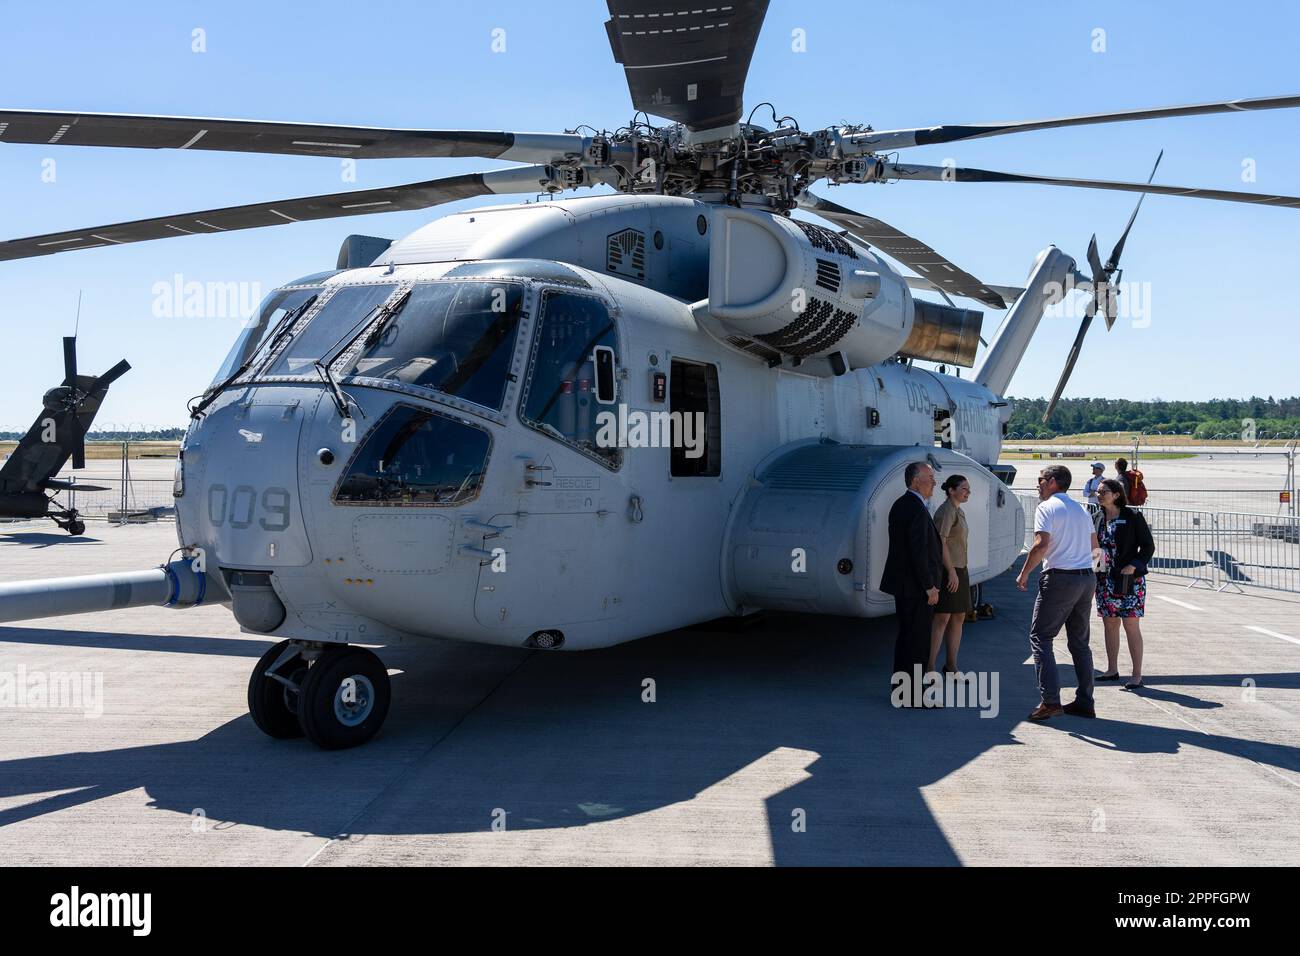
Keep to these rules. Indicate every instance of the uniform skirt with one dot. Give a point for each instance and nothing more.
(955, 602)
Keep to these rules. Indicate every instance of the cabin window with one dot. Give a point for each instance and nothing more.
(416, 456)
(560, 392)
(338, 318)
(457, 338)
(696, 420)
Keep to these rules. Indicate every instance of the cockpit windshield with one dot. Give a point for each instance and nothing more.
(338, 318)
(260, 327)
(457, 338)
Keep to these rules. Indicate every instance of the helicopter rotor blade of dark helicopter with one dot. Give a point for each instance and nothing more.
(78, 436)
(48, 128)
(112, 375)
(520, 179)
(686, 62)
(70, 361)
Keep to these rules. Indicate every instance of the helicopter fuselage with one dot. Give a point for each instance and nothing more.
(435, 445)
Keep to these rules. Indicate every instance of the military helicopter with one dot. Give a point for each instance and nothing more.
(29, 487)
(568, 424)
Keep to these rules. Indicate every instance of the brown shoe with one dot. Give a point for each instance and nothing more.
(1045, 711)
(1076, 709)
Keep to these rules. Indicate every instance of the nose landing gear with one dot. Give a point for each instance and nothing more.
(336, 695)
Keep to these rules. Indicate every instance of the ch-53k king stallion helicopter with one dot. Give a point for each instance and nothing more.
(569, 424)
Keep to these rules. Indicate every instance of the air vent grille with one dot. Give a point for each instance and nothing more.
(825, 240)
(625, 254)
(753, 348)
(808, 323)
(828, 275)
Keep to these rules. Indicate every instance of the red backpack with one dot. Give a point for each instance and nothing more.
(1137, 492)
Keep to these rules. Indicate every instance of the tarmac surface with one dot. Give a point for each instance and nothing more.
(770, 743)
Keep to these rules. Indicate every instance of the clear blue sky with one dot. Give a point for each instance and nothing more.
(1222, 318)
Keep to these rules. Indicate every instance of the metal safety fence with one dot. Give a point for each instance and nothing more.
(1215, 549)
(1239, 500)
(123, 500)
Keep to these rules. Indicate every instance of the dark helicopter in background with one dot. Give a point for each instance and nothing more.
(28, 486)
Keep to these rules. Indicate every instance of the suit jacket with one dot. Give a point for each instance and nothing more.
(915, 560)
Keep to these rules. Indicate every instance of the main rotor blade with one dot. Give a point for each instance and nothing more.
(111, 376)
(78, 437)
(684, 61)
(930, 135)
(58, 484)
(70, 360)
(357, 203)
(967, 175)
(290, 139)
(1009, 293)
(899, 245)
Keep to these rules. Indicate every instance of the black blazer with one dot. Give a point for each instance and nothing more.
(1133, 542)
(915, 560)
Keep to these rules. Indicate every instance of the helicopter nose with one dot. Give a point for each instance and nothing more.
(241, 500)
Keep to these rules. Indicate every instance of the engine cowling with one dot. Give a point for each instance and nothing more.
(802, 290)
(795, 289)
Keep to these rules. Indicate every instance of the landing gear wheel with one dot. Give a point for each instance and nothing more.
(273, 705)
(76, 527)
(344, 698)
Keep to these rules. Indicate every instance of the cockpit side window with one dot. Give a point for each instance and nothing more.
(260, 326)
(416, 456)
(457, 338)
(337, 319)
(560, 392)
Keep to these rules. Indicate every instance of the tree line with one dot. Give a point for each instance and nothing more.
(1222, 417)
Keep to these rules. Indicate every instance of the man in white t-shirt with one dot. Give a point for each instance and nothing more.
(1064, 540)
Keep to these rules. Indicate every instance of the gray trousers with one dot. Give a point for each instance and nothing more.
(1064, 600)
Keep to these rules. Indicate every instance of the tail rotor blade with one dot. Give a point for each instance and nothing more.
(1094, 259)
(1069, 361)
(1113, 262)
(70, 360)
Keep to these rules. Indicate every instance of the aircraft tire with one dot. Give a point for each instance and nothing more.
(76, 527)
(272, 705)
(345, 698)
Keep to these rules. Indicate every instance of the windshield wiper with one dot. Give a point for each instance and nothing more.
(286, 323)
(386, 316)
(340, 400)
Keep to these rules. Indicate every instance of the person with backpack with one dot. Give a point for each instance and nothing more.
(1135, 490)
(1127, 547)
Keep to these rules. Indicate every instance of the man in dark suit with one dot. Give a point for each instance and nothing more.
(913, 569)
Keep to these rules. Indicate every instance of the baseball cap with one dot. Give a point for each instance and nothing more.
(1097, 464)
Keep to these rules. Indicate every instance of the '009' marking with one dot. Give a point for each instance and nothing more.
(240, 507)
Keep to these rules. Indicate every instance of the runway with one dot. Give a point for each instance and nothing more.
(773, 744)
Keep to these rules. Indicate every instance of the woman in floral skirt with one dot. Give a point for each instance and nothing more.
(1127, 547)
